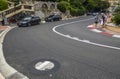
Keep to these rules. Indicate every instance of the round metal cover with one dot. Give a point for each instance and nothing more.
(43, 66)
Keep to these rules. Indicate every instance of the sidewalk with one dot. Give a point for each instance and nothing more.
(107, 30)
(2, 28)
(112, 30)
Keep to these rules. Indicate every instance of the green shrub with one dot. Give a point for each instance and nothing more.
(16, 2)
(3, 5)
(117, 10)
(63, 6)
(116, 19)
(74, 12)
(77, 11)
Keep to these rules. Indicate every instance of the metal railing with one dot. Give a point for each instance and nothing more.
(15, 10)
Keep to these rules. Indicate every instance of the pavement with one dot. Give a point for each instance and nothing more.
(2, 28)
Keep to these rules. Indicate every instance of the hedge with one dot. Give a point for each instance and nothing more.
(63, 6)
(116, 19)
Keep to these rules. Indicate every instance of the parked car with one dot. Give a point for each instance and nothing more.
(95, 13)
(28, 21)
(89, 14)
(54, 17)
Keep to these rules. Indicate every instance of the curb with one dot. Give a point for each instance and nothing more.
(101, 31)
(5, 69)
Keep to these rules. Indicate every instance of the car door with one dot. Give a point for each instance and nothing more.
(33, 20)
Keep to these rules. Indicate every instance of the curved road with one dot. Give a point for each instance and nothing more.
(92, 56)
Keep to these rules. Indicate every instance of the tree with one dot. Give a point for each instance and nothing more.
(104, 5)
(3, 5)
(77, 9)
(90, 5)
(63, 6)
(116, 19)
(117, 10)
(16, 2)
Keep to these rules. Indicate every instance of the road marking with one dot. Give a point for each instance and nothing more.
(77, 39)
(87, 41)
(95, 30)
(117, 36)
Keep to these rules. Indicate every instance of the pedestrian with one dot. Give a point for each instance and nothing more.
(3, 23)
(96, 21)
(103, 19)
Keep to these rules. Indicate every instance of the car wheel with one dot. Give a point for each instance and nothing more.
(52, 20)
(58, 19)
(29, 24)
(38, 22)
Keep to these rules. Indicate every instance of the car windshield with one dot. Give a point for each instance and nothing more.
(26, 18)
(50, 16)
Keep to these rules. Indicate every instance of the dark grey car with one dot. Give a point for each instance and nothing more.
(54, 17)
(28, 21)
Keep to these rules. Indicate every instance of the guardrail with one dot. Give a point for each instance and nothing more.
(15, 10)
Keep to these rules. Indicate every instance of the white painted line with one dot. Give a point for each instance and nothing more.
(90, 26)
(77, 39)
(87, 41)
(67, 36)
(116, 36)
(95, 30)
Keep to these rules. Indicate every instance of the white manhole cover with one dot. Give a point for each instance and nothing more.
(43, 66)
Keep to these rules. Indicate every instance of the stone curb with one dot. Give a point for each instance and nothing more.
(6, 70)
(101, 31)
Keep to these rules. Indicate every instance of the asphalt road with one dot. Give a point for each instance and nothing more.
(77, 60)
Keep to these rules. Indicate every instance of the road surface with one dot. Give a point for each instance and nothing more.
(79, 52)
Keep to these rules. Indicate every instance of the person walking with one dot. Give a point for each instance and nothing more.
(101, 21)
(97, 21)
(103, 18)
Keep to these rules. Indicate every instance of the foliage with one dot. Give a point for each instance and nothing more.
(103, 5)
(116, 19)
(3, 5)
(96, 5)
(16, 2)
(117, 10)
(77, 9)
(90, 5)
(63, 6)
